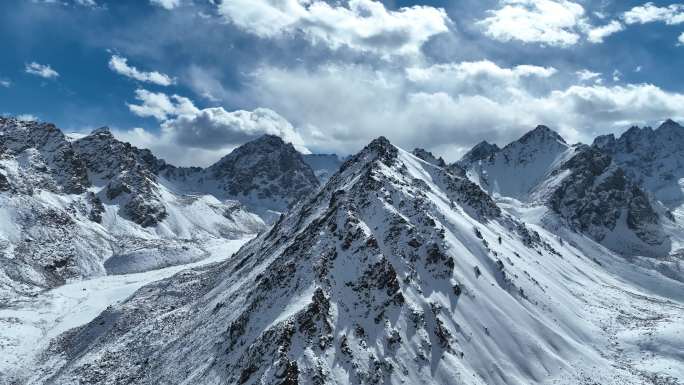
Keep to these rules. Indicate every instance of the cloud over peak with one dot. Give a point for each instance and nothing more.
(185, 126)
(120, 65)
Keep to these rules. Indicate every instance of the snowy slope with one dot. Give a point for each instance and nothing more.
(521, 168)
(396, 271)
(28, 325)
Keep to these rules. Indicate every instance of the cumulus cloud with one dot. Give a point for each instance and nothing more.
(550, 22)
(364, 25)
(166, 4)
(120, 65)
(42, 70)
(160, 106)
(446, 108)
(648, 13)
(209, 132)
(480, 77)
(598, 34)
(681, 38)
(216, 128)
(5, 83)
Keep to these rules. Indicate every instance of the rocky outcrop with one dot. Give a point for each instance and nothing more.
(597, 197)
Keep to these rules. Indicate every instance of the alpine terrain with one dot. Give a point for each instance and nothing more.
(537, 263)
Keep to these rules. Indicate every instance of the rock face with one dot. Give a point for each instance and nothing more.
(130, 174)
(597, 198)
(266, 173)
(481, 152)
(584, 186)
(654, 159)
(396, 271)
(429, 157)
(96, 205)
(49, 161)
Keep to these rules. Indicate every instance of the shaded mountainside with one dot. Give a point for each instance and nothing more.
(267, 175)
(598, 199)
(652, 158)
(396, 271)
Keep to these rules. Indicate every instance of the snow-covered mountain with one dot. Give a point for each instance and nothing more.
(96, 205)
(581, 186)
(267, 175)
(652, 158)
(397, 271)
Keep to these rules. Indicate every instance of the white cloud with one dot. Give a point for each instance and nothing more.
(364, 25)
(210, 133)
(120, 65)
(480, 77)
(87, 3)
(166, 4)
(681, 38)
(598, 34)
(160, 106)
(589, 76)
(447, 108)
(649, 13)
(5, 83)
(550, 22)
(44, 71)
(27, 117)
(617, 75)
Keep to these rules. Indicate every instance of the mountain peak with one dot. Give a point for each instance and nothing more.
(480, 151)
(669, 123)
(541, 133)
(429, 157)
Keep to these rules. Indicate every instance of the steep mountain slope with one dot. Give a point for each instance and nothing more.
(96, 206)
(521, 169)
(579, 186)
(396, 271)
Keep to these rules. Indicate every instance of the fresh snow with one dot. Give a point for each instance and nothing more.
(28, 325)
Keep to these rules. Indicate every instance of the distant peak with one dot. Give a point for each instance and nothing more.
(670, 124)
(542, 132)
(485, 145)
(480, 151)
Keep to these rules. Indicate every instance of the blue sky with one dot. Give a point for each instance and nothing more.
(191, 79)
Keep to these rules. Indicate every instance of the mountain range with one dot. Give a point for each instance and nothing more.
(540, 262)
